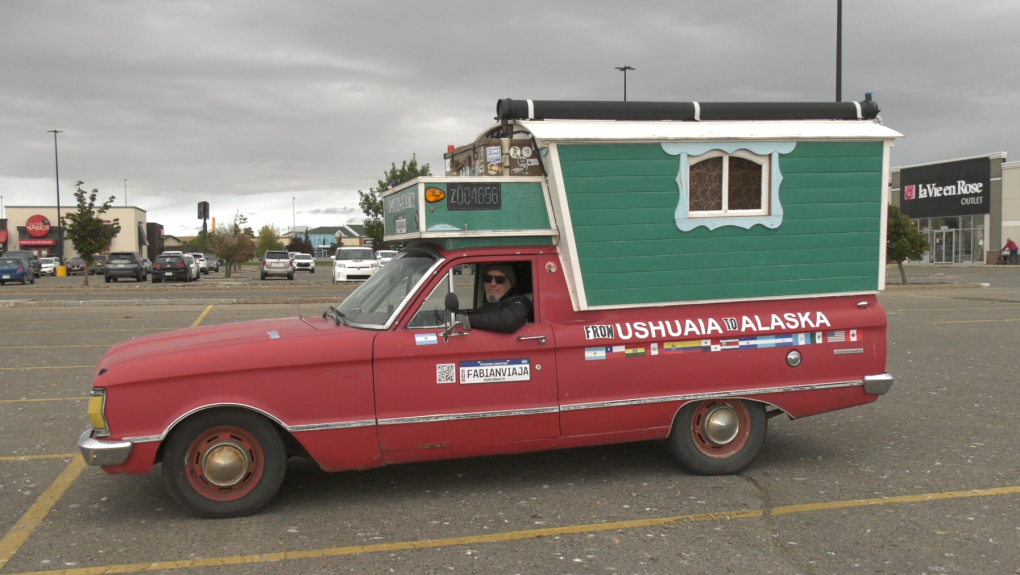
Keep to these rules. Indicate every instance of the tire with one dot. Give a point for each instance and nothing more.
(107, 278)
(155, 281)
(313, 270)
(290, 276)
(263, 276)
(694, 449)
(244, 439)
(24, 280)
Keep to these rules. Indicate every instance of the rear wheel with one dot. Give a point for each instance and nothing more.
(107, 278)
(263, 276)
(290, 276)
(224, 463)
(719, 436)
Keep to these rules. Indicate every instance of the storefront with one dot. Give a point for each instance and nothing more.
(958, 204)
(35, 228)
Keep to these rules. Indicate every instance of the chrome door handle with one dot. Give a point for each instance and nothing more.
(540, 338)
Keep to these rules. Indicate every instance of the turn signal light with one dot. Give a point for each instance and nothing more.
(97, 409)
(433, 195)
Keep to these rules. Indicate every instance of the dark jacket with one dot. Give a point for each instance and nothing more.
(505, 316)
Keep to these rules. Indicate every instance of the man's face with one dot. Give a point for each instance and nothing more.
(493, 289)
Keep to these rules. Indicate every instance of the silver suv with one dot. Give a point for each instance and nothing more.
(277, 263)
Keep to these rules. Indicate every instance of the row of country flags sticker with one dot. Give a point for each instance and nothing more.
(702, 345)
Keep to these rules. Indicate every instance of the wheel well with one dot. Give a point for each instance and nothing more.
(290, 443)
(771, 410)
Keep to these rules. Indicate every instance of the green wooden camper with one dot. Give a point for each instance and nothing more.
(683, 210)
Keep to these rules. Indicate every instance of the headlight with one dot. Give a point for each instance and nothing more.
(339, 265)
(97, 415)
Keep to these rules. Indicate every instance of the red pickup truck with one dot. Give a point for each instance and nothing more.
(696, 336)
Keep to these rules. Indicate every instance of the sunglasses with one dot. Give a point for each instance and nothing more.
(487, 278)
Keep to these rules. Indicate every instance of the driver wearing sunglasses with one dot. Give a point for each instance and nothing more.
(504, 310)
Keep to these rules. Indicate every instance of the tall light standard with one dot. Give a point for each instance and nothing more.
(60, 223)
(624, 70)
(839, 50)
(125, 192)
(293, 212)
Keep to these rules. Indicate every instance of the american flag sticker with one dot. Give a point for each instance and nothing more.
(836, 336)
(853, 335)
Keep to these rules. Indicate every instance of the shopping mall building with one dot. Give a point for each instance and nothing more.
(967, 207)
(34, 228)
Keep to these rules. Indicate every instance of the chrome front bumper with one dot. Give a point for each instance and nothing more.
(101, 452)
(878, 384)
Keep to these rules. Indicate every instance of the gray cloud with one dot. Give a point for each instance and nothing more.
(332, 210)
(248, 105)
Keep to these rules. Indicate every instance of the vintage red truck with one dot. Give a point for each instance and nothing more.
(693, 268)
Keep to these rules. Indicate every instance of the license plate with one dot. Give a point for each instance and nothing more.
(169, 273)
(7, 277)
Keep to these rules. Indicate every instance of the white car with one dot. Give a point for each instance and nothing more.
(202, 264)
(354, 263)
(49, 266)
(196, 271)
(384, 256)
(304, 262)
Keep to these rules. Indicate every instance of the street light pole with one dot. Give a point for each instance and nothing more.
(125, 192)
(293, 214)
(839, 50)
(60, 223)
(624, 70)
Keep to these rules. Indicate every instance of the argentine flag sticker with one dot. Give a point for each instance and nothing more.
(425, 339)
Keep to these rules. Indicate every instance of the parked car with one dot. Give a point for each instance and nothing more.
(203, 266)
(48, 266)
(125, 265)
(212, 262)
(384, 256)
(31, 258)
(196, 271)
(76, 266)
(170, 268)
(15, 270)
(304, 262)
(277, 263)
(98, 266)
(354, 263)
(172, 253)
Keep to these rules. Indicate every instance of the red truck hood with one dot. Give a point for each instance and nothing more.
(269, 343)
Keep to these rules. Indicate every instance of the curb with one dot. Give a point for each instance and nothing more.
(163, 301)
(908, 287)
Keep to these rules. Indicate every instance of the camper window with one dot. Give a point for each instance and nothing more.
(728, 184)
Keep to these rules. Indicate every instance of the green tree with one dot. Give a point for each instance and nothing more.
(267, 239)
(232, 243)
(371, 201)
(85, 227)
(300, 246)
(903, 241)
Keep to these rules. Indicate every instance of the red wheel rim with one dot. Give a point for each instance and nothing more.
(720, 408)
(225, 463)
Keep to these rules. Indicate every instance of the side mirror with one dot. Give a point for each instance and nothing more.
(452, 303)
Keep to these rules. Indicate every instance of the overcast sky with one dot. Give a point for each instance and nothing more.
(249, 104)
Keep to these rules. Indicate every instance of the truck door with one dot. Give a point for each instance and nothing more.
(436, 398)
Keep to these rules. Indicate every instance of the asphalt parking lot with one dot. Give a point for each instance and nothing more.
(926, 480)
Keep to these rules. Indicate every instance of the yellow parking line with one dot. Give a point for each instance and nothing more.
(201, 317)
(975, 320)
(517, 535)
(28, 523)
(45, 367)
(43, 399)
(27, 457)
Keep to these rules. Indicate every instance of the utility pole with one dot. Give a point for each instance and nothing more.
(125, 192)
(293, 212)
(624, 70)
(839, 50)
(60, 222)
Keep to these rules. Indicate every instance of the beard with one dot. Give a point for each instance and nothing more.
(491, 298)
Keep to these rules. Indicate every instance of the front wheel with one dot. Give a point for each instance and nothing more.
(224, 463)
(719, 436)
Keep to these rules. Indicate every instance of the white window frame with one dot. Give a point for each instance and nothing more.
(762, 161)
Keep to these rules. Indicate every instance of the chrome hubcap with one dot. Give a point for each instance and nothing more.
(225, 464)
(721, 425)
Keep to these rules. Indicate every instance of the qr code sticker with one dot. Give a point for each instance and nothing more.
(446, 373)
